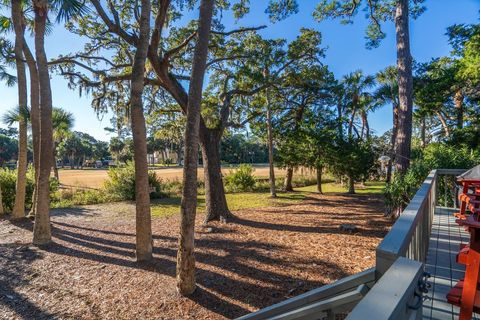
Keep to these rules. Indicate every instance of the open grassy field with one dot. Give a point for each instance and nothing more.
(94, 178)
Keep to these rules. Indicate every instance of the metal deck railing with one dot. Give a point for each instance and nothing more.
(393, 289)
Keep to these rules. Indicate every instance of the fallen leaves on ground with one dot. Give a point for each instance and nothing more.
(263, 256)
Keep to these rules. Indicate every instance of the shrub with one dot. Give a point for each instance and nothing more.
(8, 181)
(121, 183)
(436, 155)
(240, 179)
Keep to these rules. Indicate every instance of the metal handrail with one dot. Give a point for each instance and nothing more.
(409, 236)
(405, 247)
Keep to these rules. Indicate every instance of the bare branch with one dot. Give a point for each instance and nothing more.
(228, 33)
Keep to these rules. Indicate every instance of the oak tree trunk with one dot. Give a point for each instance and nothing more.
(185, 256)
(41, 229)
(288, 180)
(139, 133)
(20, 190)
(405, 87)
(216, 207)
(351, 185)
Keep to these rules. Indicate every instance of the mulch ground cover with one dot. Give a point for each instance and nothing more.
(261, 257)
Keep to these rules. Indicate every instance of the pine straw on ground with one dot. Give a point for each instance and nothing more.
(262, 257)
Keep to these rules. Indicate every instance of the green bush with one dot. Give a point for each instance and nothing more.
(121, 183)
(8, 180)
(435, 156)
(240, 179)
(403, 187)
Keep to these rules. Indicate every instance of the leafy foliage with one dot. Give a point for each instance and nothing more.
(435, 155)
(121, 183)
(8, 180)
(240, 179)
(352, 158)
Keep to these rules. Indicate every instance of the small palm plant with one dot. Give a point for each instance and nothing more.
(62, 123)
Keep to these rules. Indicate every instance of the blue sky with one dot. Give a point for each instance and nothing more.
(346, 51)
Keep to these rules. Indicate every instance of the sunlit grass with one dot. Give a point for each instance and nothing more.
(371, 187)
(248, 200)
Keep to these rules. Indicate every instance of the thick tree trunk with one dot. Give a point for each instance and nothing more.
(392, 143)
(185, 256)
(319, 179)
(215, 200)
(288, 180)
(351, 185)
(273, 192)
(41, 229)
(19, 206)
(139, 133)
(216, 203)
(405, 87)
(458, 100)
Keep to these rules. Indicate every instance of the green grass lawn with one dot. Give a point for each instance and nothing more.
(374, 187)
(245, 200)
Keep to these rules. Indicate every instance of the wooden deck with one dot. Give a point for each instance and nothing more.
(444, 244)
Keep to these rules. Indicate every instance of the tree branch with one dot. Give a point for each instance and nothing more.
(114, 27)
(228, 33)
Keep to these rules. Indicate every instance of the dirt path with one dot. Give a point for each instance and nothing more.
(94, 178)
(264, 256)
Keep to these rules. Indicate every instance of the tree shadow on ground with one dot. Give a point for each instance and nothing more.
(228, 270)
(16, 272)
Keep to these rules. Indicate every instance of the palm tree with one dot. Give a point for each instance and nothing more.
(19, 115)
(185, 256)
(41, 229)
(65, 11)
(6, 50)
(62, 122)
(387, 93)
(356, 85)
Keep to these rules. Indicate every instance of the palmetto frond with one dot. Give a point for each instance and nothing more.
(15, 115)
(68, 9)
(62, 122)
